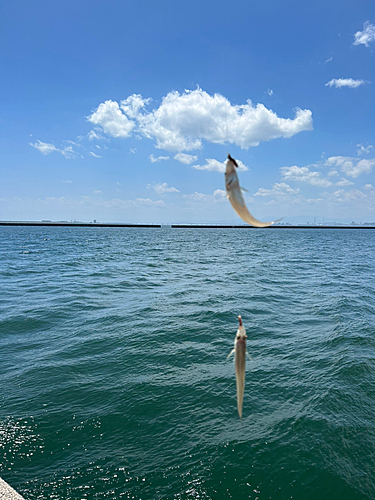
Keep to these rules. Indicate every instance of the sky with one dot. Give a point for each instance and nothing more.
(124, 111)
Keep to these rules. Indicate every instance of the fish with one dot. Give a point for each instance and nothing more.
(234, 195)
(240, 352)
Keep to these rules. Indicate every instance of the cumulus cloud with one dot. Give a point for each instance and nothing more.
(345, 82)
(183, 121)
(213, 165)
(278, 189)
(133, 105)
(366, 36)
(159, 158)
(112, 120)
(352, 167)
(44, 147)
(184, 158)
(162, 188)
(303, 174)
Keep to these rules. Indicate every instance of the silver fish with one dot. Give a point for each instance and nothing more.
(235, 197)
(239, 352)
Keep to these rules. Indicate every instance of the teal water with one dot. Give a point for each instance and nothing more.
(114, 381)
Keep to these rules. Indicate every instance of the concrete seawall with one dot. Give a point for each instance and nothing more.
(7, 492)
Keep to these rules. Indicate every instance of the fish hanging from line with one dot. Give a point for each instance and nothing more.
(240, 353)
(234, 195)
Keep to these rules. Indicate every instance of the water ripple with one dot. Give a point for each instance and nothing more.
(115, 383)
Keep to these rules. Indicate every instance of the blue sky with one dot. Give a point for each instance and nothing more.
(126, 111)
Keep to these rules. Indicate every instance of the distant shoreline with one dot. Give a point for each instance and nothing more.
(176, 226)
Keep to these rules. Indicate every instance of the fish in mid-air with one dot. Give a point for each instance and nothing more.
(234, 195)
(239, 352)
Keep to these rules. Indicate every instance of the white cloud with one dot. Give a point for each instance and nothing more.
(342, 196)
(278, 189)
(270, 92)
(133, 105)
(363, 149)
(68, 182)
(197, 197)
(353, 167)
(332, 173)
(159, 158)
(147, 202)
(69, 152)
(369, 186)
(303, 174)
(184, 158)
(216, 166)
(97, 191)
(94, 155)
(328, 60)
(344, 182)
(212, 165)
(162, 188)
(220, 194)
(95, 135)
(201, 199)
(183, 121)
(345, 82)
(44, 147)
(366, 36)
(111, 119)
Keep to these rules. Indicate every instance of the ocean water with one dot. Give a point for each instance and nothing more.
(114, 381)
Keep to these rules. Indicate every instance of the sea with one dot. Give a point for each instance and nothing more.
(114, 377)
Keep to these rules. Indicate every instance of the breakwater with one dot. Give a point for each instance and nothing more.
(178, 226)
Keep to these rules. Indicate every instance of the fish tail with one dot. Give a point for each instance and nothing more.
(240, 361)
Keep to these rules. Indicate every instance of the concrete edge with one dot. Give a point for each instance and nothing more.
(7, 492)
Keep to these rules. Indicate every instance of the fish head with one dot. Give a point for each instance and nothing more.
(231, 178)
(241, 332)
(231, 165)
